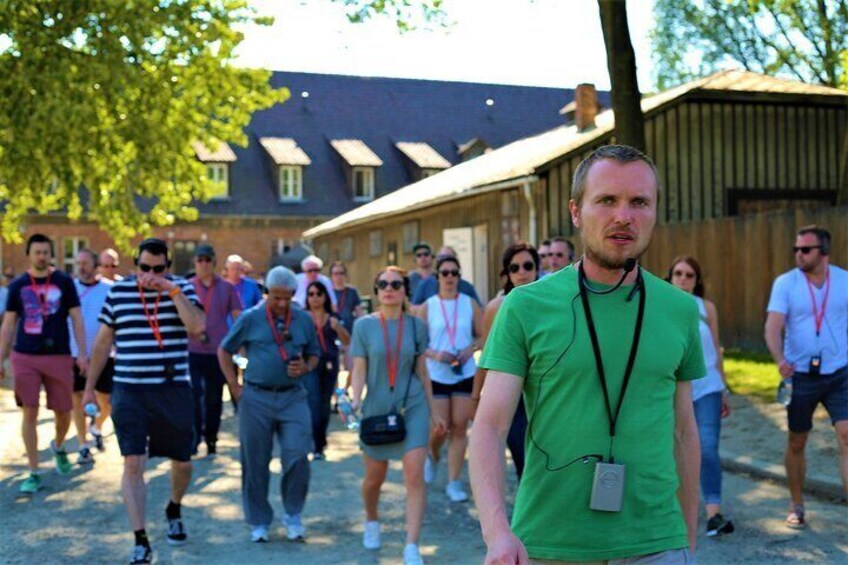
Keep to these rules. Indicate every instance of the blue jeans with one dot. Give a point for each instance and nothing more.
(708, 416)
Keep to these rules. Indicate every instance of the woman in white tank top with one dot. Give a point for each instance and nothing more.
(708, 393)
(454, 323)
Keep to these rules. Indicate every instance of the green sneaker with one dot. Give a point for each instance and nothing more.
(63, 464)
(32, 484)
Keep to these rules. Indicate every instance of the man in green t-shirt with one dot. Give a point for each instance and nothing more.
(603, 352)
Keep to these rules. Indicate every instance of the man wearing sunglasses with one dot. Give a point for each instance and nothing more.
(807, 335)
(149, 316)
(311, 267)
(429, 286)
(220, 301)
(423, 265)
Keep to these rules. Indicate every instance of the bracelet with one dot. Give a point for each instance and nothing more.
(174, 292)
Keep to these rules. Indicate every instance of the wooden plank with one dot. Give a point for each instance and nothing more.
(673, 171)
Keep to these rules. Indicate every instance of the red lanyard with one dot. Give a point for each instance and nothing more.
(208, 295)
(41, 291)
(320, 331)
(819, 317)
(451, 331)
(392, 359)
(281, 347)
(152, 321)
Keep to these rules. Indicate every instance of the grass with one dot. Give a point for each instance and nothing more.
(751, 374)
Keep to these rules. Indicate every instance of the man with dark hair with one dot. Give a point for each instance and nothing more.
(423, 265)
(561, 254)
(36, 320)
(544, 257)
(148, 316)
(807, 335)
(619, 456)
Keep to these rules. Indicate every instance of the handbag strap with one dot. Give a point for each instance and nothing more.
(414, 358)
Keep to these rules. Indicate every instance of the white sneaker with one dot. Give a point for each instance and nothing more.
(295, 530)
(429, 470)
(455, 492)
(371, 536)
(259, 534)
(411, 555)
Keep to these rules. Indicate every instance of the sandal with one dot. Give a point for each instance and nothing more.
(795, 519)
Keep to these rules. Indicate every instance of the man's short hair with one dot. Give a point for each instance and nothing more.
(546, 242)
(40, 238)
(234, 259)
(422, 245)
(281, 277)
(113, 254)
(559, 239)
(92, 254)
(821, 233)
(620, 153)
(154, 246)
(312, 259)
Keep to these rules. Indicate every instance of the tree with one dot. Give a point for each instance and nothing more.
(802, 39)
(101, 101)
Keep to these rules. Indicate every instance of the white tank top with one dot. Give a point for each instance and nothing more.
(440, 340)
(712, 381)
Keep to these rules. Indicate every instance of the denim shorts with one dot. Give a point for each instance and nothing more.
(810, 390)
(154, 420)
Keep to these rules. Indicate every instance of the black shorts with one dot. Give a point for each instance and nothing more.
(104, 381)
(809, 390)
(154, 420)
(462, 388)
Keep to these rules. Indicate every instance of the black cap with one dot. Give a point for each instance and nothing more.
(204, 250)
(421, 245)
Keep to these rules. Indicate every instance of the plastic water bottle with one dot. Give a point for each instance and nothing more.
(240, 361)
(784, 391)
(346, 410)
(91, 410)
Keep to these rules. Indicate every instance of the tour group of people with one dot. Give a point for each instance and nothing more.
(605, 382)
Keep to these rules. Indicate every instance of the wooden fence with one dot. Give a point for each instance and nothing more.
(741, 256)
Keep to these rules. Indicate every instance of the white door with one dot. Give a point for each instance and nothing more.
(471, 245)
(481, 261)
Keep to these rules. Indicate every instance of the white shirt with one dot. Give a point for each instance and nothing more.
(303, 284)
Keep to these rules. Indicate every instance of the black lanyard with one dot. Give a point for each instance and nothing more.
(634, 347)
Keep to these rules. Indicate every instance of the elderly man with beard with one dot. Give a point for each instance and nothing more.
(603, 352)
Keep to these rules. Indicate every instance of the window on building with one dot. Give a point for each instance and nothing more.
(219, 175)
(70, 247)
(375, 243)
(347, 249)
(410, 236)
(363, 184)
(291, 183)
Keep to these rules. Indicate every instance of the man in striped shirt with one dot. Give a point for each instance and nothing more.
(149, 317)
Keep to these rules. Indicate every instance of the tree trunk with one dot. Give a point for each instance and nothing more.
(621, 61)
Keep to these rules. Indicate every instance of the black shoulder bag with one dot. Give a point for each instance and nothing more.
(391, 427)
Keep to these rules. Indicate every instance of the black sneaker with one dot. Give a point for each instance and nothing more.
(211, 448)
(141, 554)
(98, 440)
(176, 531)
(719, 525)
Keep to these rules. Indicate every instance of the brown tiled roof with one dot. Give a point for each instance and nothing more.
(284, 151)
(423, 155)
(356, 153)
(221, 154)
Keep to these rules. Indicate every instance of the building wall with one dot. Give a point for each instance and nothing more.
(252, 238)
(718, 156)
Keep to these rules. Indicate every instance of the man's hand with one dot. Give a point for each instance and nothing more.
(506, 549)
(82, 364)
(297, 368)
(236, 390)
(725, 404)
(155, 282)
(786, 369)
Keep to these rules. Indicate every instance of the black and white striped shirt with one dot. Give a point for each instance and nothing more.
(139, 360)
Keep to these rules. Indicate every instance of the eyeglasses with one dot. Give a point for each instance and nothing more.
(316, 294)
(449, 272)
(543, 255)
(312, 270)
(203, 259)
(805, 248)
(528, 266)
(338, 273)
(396, 285)
(423, 254)
(684, 274)
(145, 268)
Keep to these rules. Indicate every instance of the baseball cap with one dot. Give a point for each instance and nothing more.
(204, 250)
(421, 245)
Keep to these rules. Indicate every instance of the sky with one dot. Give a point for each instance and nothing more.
(556, 43)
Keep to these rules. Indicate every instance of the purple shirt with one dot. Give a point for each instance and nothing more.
(218, 301)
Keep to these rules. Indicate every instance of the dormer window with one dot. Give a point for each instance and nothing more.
(361, 167)
(422, 160)
(473, 148)
(219, 175)
(217, 158)
(289, 159)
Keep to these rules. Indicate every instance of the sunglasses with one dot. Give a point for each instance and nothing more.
(425, 254)
(805, 248)
(543, 255)
(528, 266)
(684, 274)
(203, 259)
(396, 285)
(449, 272)
(316, 294)
(145, 268)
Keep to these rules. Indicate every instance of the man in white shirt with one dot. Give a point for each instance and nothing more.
(311, 267)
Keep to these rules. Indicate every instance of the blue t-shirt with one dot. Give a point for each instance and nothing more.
(248, 292)
(265, 363)
(42, 311)
(347, 301)
(430, 287)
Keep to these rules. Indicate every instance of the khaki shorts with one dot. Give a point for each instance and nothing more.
(670, 557)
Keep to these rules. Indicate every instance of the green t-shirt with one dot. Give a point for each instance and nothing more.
(540, 334)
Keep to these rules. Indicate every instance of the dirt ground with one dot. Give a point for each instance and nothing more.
(80, 518)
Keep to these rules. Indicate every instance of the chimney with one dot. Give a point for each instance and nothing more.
(586, 102)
